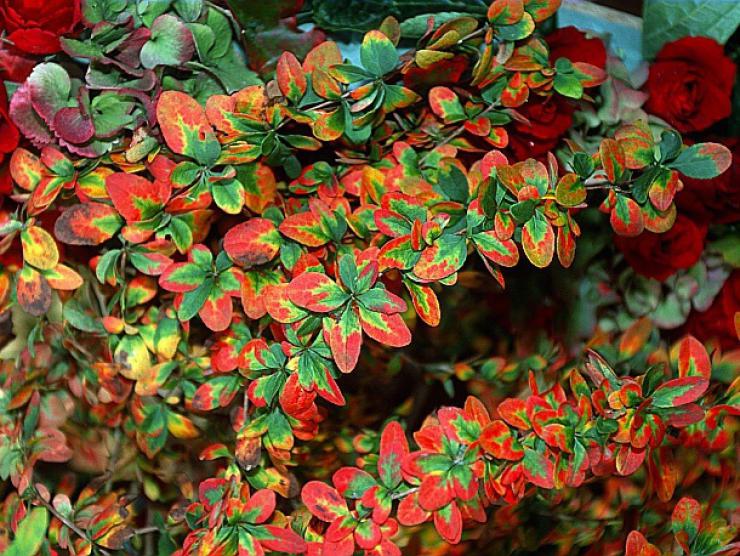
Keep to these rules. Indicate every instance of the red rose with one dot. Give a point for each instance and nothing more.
(9, 138)
(690, 84)
(14, 64)
(661, 255)
(575, 45)
(34, 26)
(716, 200)
(549, 118)
(718, 321)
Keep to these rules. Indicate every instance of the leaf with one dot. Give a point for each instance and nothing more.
(380, 300)
(30, 534)
(378, 54)
(185, 127)
(252, 243)
(344, 337)
(26, 169)
(136, 198)
(502, 252)
(612, 159)
(570, 190)
(352, 482)
(393, 450)
(425, 302)
(182, 277)
(538, 241)
(538, 469)
(33, 292)
(686, 518)
(217, 392)
(390, 330)
(316, 292)
(62, 277)
(635, 337)
(217, 309)
(680, 391)
(499, 441)
(637, 545)
(505, 12)
(668, 20)
(87, 224)
(693, 359)
(446, 104)
(323, 501)
(517, 31)
(228, 196)
(541, 9)
(664, 188)
(39, 248)
(171, 43)
(703, 160)
(626, 217)
(290, 77)
(305, 228)
(448, 523)
(444, 257)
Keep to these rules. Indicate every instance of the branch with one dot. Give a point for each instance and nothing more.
(69, 524)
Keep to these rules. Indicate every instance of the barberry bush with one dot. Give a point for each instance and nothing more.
(344, 306)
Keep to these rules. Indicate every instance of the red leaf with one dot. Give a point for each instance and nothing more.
(323, 501)
(252, 243)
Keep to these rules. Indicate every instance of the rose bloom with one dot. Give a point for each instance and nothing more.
(14, 64)
(661, 255)
(34, 26)
(717, 200)
(690, 84)
(550, 117)
(718, 321)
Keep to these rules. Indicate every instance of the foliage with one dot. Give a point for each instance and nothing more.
(195, 260)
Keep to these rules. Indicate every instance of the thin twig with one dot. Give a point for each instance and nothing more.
(454, 134)
(69, 524)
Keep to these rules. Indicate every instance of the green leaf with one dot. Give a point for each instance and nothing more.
(703, 160)
(229, 196)
(189, 10)
(568, 85)
(30, 534)
(668, 20)
(171, 43)
(192, 301)
(378, 54)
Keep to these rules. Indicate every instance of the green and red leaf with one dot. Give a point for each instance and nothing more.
(323, 501)
(393, 449)
(305, 228)
(680, 391)
(501, 252)
(446, 104)
(538, 241)
(87, 224)
(693, 359)
(186, 128)
(626, 217)
(290, 77)
(316, 292)
(136, 198)
(344, 336)
(612, 159)
(252, 243)
(538, 469)
(498, 440)
(390, 330)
